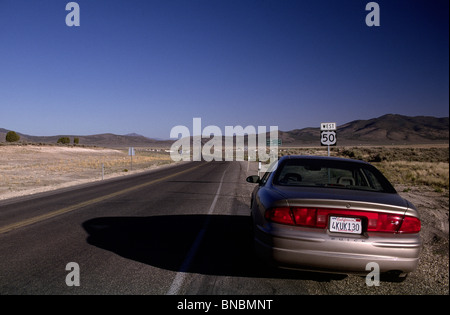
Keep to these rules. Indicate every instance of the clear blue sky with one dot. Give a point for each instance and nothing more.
(147, 66)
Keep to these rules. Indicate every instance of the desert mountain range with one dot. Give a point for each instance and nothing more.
(384, 130)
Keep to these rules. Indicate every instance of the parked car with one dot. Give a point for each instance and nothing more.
(335, 215)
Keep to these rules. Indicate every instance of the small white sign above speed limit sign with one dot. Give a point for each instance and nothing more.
(328, 137)
(328, 133)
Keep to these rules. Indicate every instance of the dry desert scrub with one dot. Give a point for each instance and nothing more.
(33, 168)
(410, 166)
(432, 174)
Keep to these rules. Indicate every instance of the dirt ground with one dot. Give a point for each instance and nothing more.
(30, 169)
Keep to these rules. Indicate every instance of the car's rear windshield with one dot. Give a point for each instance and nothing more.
(331, 173)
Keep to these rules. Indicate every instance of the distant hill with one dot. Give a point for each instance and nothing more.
(101, 140)
(384, 130)
(387, 129)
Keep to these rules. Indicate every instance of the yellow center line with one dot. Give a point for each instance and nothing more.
(55, 213)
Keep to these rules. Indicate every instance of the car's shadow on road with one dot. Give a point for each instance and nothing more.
(165, 242)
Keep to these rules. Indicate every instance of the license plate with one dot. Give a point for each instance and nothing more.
(345, 225)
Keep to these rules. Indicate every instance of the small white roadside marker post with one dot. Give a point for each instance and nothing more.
(131, 152)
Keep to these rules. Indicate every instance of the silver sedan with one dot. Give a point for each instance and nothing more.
(333, 215)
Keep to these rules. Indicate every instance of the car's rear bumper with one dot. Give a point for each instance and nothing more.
(320, 250)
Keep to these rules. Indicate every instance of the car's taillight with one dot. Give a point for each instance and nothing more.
(318, 218)
(305, 216)
(280, 215)
(410, 225)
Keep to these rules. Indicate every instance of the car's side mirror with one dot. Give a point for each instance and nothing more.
(254, 179)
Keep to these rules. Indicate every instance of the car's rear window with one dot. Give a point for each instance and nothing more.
(331, 173)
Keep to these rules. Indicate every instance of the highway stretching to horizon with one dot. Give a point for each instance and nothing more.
(178, 230)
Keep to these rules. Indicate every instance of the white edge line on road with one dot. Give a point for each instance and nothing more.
(181, 274)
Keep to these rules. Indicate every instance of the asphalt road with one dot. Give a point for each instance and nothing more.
(178, 230)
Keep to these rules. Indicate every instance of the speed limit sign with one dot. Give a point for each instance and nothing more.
(328, 137)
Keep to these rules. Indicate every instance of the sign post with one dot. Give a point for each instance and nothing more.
(328, 134)
(131, 152)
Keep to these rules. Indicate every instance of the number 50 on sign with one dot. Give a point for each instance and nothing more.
(328, 137)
